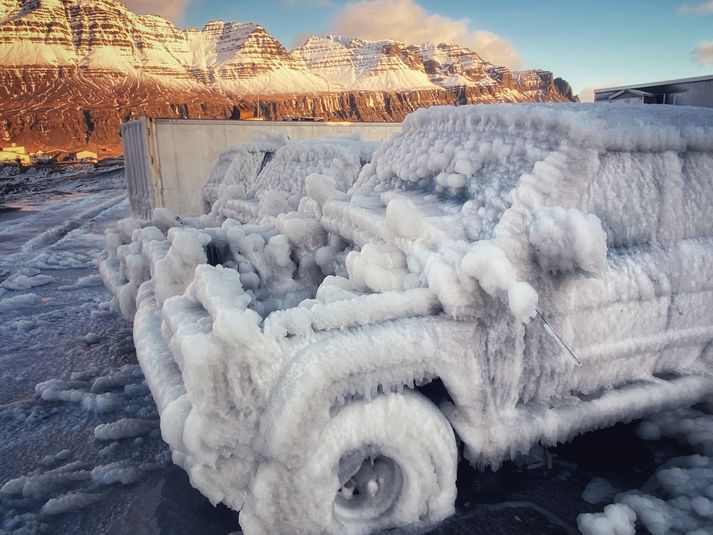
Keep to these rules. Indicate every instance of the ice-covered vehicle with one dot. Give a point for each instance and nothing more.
(507, 275)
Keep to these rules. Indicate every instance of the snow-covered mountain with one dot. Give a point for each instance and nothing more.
(71, 70)
(103, 37)
(350, 64)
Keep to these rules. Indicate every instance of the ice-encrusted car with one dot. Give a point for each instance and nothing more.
(508, 275)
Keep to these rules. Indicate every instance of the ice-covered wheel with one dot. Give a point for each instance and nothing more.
(370, 485)
(388, 462)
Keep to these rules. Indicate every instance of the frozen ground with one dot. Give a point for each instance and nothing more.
(17, 182)
(79, 445)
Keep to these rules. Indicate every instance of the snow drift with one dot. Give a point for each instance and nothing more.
(516, 274)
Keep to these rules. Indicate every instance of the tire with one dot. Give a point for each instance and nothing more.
(385, 463)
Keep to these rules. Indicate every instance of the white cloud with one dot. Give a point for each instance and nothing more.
(703, 7)
(170, 9)
(408, 22)
(703, 53)
(313, 3)
(299, 40)
(587, 94)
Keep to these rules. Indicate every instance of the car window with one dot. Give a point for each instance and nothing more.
(626, 194)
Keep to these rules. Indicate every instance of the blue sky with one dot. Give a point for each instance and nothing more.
(586, 42)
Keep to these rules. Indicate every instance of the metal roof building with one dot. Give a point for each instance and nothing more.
(696, 91)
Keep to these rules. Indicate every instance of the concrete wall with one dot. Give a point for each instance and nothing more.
(175, 158)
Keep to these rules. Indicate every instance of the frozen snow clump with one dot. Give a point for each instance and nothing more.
(617, 519)
(678, 498)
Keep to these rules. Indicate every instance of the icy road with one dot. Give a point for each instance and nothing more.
(80, 449)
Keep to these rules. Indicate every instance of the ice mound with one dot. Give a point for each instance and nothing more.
(25, 281)
(518, 274)
(18, 302)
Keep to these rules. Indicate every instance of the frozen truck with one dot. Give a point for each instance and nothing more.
(503, 276)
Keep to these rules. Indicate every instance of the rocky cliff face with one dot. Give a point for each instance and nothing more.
(454, 66)
(72, 70)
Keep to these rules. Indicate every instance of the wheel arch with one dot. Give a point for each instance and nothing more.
(361, 363)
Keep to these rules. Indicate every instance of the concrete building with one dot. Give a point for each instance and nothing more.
(684, 92)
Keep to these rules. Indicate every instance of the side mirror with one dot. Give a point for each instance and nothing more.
(566, 240)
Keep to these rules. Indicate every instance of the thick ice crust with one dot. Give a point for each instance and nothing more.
(267, 177)
(406, 429)
(552, 266)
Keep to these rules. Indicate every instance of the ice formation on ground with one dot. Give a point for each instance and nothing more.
(25, 281)
(50, 463)
(62, 483)
(551, 266)
(17, 180)
(678, 498)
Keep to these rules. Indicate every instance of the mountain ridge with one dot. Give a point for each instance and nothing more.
(72, 70)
